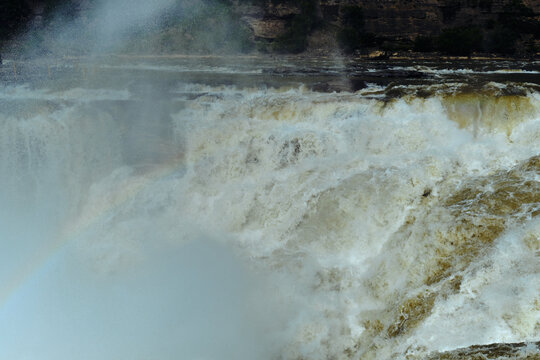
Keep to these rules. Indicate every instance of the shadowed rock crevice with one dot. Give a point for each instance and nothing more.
(501, 351)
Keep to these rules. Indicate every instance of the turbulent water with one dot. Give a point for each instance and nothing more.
(269, 210)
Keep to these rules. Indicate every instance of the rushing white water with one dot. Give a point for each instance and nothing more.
(262, 223)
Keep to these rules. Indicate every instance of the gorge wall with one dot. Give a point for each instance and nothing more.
(394, 20)
(292, 26)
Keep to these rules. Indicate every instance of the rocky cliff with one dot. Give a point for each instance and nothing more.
(292, 26)
(389, 20)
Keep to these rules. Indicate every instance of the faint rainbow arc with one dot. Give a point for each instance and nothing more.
(74, 229)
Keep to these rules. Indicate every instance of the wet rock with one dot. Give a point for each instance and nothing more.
(499, 351)
(378, 55)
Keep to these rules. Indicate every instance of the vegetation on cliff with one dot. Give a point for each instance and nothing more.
(352, 36)
(515, 31)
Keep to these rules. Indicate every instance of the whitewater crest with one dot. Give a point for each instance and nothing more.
(391, 222)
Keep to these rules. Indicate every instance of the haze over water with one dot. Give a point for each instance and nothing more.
(260, 208)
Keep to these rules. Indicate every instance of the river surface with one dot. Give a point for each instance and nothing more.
(264, 208)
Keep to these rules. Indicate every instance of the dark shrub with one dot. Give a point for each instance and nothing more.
(368, 38)
(13, 15)
(520, 18)
(502, 40)
(349, 39)
(295, 38)
(391, 45)
(460, 40)
(450, 10)
(530, 46)
(485, 4)
(353, 16)
(353, 37)
(516, 8)
(424, 44)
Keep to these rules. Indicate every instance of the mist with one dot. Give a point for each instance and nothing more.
(92, 267)
(93, 28)
(115, 21)
(187, 302)
(101, 257)
(207, 206)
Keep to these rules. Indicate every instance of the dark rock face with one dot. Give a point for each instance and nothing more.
(292, 26)
(267, 28)
(501, 351)
(394, 19)
(402, 19)
(270, 20)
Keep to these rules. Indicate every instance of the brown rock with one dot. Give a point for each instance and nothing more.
(267, 29)
(377, 54)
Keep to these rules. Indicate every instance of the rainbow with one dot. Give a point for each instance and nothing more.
(86, 220)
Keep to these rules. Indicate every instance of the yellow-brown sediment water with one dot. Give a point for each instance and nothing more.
(190, 221)
(499, 113)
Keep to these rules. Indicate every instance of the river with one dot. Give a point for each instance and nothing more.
(269, 208)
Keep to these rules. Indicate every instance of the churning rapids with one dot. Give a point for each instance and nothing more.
(249, 209)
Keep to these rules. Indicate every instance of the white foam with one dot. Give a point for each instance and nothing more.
(498, 299)
(313, 190)
(184, 69)
(24, 92)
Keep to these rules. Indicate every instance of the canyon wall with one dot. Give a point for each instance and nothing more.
(510, 27)
(396, 19)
